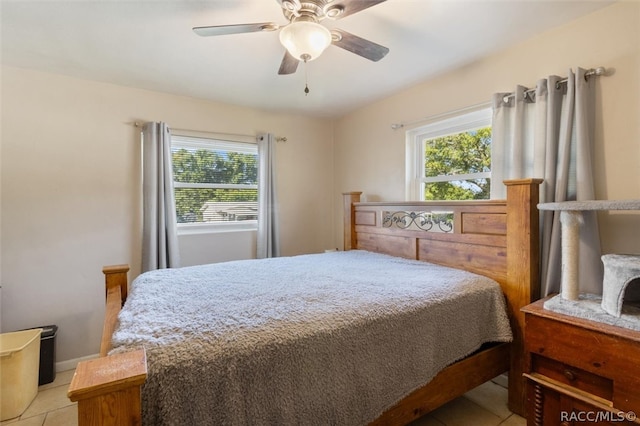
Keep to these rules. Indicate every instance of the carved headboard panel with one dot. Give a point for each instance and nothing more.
(466, 235)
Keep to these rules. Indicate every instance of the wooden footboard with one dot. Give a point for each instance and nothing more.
(108, 389)
(498, 239)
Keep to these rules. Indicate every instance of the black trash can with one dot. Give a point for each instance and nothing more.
(47, 354)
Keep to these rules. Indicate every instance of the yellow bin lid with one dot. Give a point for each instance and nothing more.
(17, 340)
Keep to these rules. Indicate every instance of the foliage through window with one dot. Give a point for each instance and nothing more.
(451, 159)
(215, 181)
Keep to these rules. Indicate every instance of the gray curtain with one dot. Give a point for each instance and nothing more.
(159, 233)
(549, 134)
(268, 244)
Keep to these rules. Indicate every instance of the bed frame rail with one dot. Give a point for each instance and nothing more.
(115, 278)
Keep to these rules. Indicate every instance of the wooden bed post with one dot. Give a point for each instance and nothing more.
(116, 276)
(108, 389)
(350, 219)
(523, 278)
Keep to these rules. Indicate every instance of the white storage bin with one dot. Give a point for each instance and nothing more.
(19, 367)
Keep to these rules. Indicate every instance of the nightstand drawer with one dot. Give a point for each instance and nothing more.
(572, 376)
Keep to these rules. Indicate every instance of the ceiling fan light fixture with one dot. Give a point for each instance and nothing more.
(305, 40)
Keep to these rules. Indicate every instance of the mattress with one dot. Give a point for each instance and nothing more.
(333, 338)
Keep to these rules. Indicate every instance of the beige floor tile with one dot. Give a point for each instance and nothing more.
(464, 412)
(501, 380)
(48, 400)
(62, 378)
(67, 416)
(31, 421)
(514, 420)
(492, 397)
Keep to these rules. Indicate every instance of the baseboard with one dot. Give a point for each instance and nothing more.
(71, 364)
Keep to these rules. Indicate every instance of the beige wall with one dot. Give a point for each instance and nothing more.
(370, 156)
(71, 193)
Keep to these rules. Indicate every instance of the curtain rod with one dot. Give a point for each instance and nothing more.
(396, 126)
(591, 72)
(278, 139)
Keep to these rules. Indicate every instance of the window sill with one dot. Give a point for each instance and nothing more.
(199, 228)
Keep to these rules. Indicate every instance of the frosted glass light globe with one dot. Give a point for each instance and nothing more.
(305, 40)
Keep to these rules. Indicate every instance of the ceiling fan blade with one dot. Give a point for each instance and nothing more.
(349, 7)
(358, 45)
(289, 64)
(235, 29)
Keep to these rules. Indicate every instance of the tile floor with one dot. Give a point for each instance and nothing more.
(485, 405)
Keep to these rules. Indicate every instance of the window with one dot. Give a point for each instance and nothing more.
(450, 159)
(215, 183)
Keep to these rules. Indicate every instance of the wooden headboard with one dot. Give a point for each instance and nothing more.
(495, 238)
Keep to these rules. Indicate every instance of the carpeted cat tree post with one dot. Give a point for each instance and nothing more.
(619, 270)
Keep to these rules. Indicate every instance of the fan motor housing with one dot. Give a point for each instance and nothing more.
(315, 9)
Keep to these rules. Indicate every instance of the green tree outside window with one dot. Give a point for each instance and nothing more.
(458, 154)
(223, 168)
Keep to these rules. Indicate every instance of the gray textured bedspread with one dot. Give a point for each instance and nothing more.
(333, 338)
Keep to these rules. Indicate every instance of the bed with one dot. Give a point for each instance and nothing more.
(363, 356)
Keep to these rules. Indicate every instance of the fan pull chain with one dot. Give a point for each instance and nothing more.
(306, 76)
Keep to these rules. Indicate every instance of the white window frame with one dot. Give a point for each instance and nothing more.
(446, 125)
(211, 141)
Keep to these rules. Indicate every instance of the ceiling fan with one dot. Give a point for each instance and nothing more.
(304, 37)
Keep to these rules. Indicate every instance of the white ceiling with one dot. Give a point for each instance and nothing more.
(149, 44)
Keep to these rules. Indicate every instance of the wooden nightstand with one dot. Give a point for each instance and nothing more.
(579, 371)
